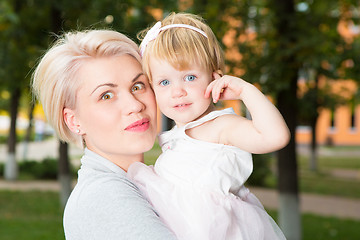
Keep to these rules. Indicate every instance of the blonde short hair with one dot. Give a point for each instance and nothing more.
(182, 47)
(55, 82)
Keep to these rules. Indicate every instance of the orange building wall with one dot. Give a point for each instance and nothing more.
(341, 134)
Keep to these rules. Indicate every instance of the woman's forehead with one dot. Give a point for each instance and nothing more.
(120, 71)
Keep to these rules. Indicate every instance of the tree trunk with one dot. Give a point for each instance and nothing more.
(64, 175)
(11, 168)
(28, 130)
(289, 210)
(313, 148)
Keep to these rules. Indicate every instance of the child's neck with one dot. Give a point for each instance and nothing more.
(210, 109)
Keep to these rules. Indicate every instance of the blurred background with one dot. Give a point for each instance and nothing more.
(304, 55)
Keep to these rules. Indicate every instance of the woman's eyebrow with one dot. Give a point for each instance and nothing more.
(115, 85)
(137, 76)
(105, 84)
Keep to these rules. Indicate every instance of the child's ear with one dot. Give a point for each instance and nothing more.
(220, 72)
(217, 74)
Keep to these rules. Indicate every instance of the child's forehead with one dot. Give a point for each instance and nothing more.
(181, 63)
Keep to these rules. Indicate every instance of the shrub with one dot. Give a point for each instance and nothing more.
(46, 169)
(31, 169)
(261, 170)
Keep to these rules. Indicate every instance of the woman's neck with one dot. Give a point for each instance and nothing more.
(122, 160)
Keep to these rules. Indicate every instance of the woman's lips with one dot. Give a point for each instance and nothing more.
(139, 126)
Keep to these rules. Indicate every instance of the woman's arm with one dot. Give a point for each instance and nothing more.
(265, 132)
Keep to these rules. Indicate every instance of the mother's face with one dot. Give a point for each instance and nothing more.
(116, 109)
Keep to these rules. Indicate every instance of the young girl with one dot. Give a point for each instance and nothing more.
(197, 184)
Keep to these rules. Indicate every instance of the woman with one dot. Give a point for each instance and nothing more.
(94, 93)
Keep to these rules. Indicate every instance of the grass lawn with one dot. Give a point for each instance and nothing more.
(37, 215)
(30, 215)
(321, 228)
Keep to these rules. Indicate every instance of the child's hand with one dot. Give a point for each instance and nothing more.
(225, 88)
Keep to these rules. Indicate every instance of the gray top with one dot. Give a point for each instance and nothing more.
(105, 204)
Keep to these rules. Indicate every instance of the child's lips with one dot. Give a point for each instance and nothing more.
(182, 105)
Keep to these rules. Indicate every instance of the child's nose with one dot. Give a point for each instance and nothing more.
(178, 91)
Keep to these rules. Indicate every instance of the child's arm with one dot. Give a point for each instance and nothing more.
(266, 132)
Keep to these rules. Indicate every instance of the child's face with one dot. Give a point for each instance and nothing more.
(180, 93)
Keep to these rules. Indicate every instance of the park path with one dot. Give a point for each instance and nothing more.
(340, 207)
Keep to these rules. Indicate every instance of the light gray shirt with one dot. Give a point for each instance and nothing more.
(106, 205)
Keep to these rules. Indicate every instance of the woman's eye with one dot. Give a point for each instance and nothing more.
(137, 87)
(190, 78)
(164, 82)
(107, 96)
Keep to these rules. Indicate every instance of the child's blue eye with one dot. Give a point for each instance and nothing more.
(190, 78)
(164, 82)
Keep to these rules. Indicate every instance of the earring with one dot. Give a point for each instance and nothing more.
(77, 131)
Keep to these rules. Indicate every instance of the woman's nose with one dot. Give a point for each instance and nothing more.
(132, 105)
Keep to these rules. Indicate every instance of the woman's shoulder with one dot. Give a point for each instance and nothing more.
(111, 206)
(107, 185)
(106, 196)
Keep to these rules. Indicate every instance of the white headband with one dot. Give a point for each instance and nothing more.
(156, 29)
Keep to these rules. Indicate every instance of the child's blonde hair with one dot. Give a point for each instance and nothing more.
(182, 47)
(55, 81)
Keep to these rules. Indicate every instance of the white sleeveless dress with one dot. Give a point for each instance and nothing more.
(198, 188)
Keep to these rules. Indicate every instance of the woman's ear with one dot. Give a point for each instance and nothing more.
(71, 120)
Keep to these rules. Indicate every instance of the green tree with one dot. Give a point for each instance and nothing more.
(278, 41)
(322, 56)
(16, 52)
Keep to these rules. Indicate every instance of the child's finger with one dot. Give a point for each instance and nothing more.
(211, 85)
(209, 89)
(217, 90)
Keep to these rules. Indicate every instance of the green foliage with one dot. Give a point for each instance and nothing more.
(4, 138)
(313, 40)
(261, 166)
(316, 98)
(46, 169)
(151, 156)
